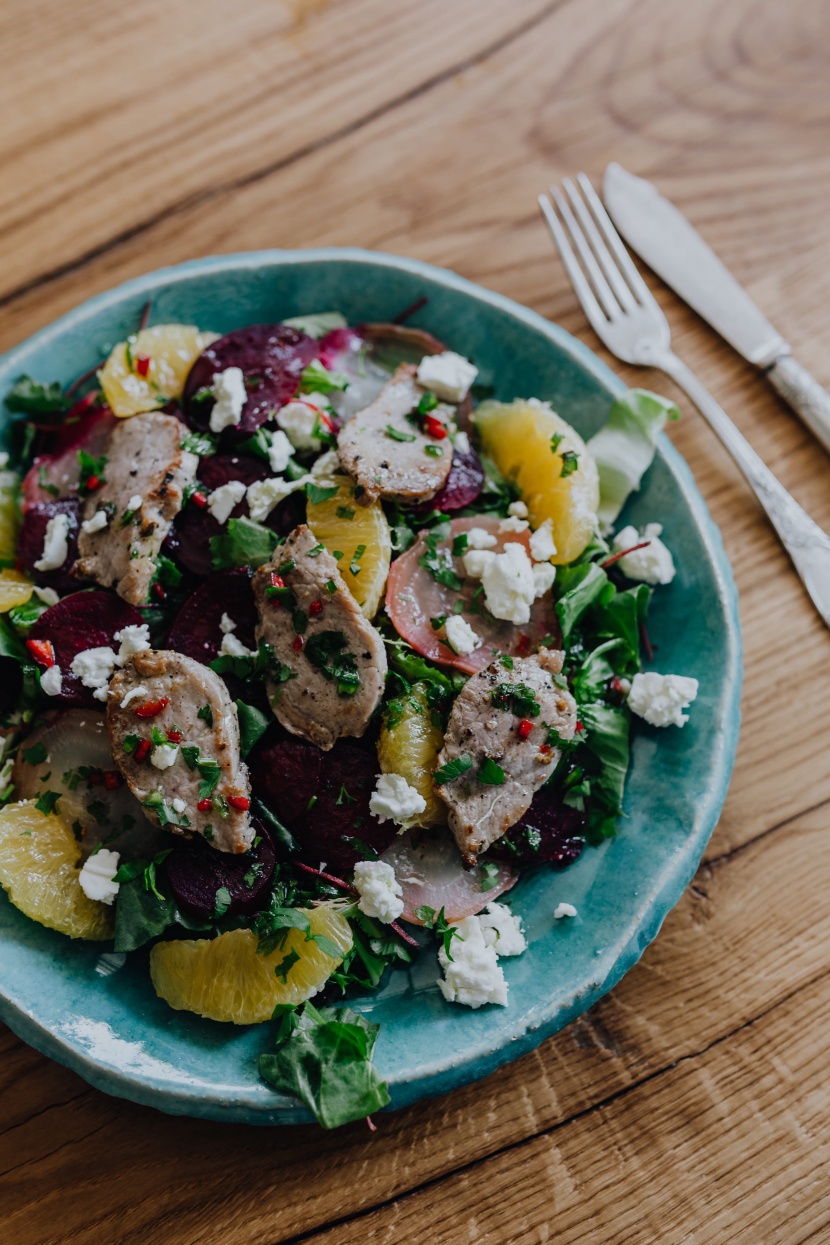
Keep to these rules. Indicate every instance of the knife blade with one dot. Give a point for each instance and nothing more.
(673, 248)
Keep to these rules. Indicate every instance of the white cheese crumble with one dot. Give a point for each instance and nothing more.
(298, 420)
(223, 499)
(542, 544)
(231, 647)
(178, 805)
(96, 877)
(509, 585)
(475, 561)
(544, 573)
(513, 524)
(133, 639)
(661, 698)
(502, 930)
(135, 693)
(518, 510)
(229, 398)
(394, 798)
(55, 544)
(97, 523)
(652, 565)
(135, 502)
(226, 625)
(563, 909)
(326, 466)
(480, 538)
(448, 375)
(473, 975)
(50, 681)
(164, 755)
(460, 635)
(264, 495)
(380, 892)
(280, 451)
(94, 667)
(47, 595)
(462, 442)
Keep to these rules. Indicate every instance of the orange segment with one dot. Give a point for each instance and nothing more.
(343, 527)
(410, 747)
(15, 589)
(151, 367)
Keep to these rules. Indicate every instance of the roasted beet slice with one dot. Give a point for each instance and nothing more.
(285, 773)
(272, 358)
(463, 484)
(549, 833)
(32, 534)
(78, 622)
(196, 630)
(56, 473)
(341, 813)
(196, 872)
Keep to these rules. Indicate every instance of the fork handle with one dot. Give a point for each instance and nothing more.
(805, 542)
(805, 395)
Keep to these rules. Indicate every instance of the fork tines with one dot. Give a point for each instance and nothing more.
(606, 289)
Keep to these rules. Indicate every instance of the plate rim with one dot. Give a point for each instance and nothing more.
(466, 1065)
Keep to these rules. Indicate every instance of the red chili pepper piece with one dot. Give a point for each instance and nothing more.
(174, 737)
(434, 428)
(159, 592)
(277, 581)
(315, 608)
(42, 651)
(523, 645)
(579, 726)
(546, 748)
(298, 643)
(204, 806)
(96, 778)
(525, 727)
(92, 484)
(199, 499)
(142, 749)
(240, 802)
(142, 364)
(112, 780)
(152, 708)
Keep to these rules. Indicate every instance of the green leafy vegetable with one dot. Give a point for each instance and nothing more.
(201, 443)
(624, 448)
(317, 493)
(33, 397)
(35, 754)
(140, 914)
(453, 769)
(317, 325)
(47, 801)
(516, 698)
(319, 379)
(253, 724)
(438, 923)
(327, 651)
(437, 559)
(395, 434)
(490, 773)
(242, 543)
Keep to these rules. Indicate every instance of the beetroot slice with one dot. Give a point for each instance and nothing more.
(285, 772)
(272, 358)
(549, 832)
(341, 813)
(194, 528)
(31, 537)
(196, 871)
(59, 469)
(462, 486)
(78, 622)
(196, 630)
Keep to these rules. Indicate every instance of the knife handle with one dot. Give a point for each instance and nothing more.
(805, 395)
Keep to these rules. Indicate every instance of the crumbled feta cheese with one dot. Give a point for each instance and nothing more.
(133, 639)
(226, 625)
(299, 420)
(462, 442)
(509, 584)
(544, 573)
(380, 892)
(229, 398)
(135, 502)
(326, 466)
(448, 375)
(47, 595)
(136, 693)
(97, 523)
(480, 538)
(50, 681)
(475, 561)
(96, 877)
(280, 451)
(473, 976)
(264, 495)
(518, 509)
(55, 544)
(513, 524)
(94, 667)
(502, 930)
(652, 565)
(542, 544)
(231, 647)
(223, 499)
(460, 635)
(563, 909)
(661, 698)
(164, 755)
(394, 798)
(178, 805)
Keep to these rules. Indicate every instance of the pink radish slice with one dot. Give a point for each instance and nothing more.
(413, 597)
(428, 867)
(60, 469)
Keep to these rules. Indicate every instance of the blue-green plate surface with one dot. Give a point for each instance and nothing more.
(109, 1026)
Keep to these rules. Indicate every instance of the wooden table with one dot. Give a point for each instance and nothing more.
(690, 1105)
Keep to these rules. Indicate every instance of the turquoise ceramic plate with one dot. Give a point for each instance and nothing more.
(63, 997)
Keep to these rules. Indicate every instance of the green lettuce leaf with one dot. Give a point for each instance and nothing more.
(624, 448)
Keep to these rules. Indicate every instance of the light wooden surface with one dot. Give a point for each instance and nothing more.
(692, 1104)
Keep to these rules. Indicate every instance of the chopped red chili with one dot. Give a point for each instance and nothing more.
(42, 651)
(142, 749)
(579, 726)
(523, 645)
(315, 608)
(152, 708)
(174, 736)
(112, 780)
(298, 643)
(546, 748)
(142, 364)
(277, 581)
(434, 428)
(240, 802)
(524, 728)
(199, 499)
(159, 592)
(92, 483)
(204, 806)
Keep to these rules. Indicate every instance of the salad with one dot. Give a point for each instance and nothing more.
(309, 647)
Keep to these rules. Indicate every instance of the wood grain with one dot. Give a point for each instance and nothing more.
(691, 1104)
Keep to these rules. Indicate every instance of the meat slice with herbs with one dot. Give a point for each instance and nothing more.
(397, 447)
(501, 745)
(139, 487)
(175, 738)
(329, 664)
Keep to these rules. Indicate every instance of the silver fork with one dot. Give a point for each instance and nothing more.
(626, 317)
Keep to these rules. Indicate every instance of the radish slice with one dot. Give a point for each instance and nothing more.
(57, 474)
(413, 597)
(428, 867)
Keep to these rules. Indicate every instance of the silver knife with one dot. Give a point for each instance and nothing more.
(676, 252)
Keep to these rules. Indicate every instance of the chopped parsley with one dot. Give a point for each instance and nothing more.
(201, 443)
(434, 451)
(570, 462)
(395, 434)
(91, 469)
(490, 773)
(354, 565)
(35, 754)
(438, 561)
(516, 698)
(427, 403)
(345, 512)
(318, 493)
(325, 650)
(206, 714)
(47, 802)
(453, 769)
